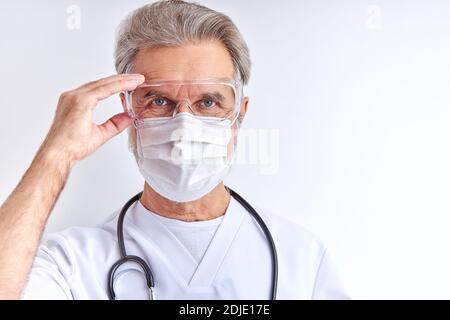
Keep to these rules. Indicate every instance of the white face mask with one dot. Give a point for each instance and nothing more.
(183, 158)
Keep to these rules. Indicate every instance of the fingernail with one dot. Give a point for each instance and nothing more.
(138, 79)
(136, 75)
(135, 79)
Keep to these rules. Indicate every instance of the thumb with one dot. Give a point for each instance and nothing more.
(115, 125)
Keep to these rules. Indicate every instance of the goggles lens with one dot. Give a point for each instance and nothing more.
(153, 100)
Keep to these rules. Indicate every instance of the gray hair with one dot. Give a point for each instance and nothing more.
(174, 23)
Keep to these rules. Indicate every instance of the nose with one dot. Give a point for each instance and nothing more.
(183, 106)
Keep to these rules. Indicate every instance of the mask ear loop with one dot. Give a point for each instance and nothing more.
(235, 118)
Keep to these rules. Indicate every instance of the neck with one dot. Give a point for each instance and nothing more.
(212, 205)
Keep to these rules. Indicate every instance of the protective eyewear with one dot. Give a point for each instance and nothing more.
(206, 99)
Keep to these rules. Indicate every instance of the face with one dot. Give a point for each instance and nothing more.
(203, 60)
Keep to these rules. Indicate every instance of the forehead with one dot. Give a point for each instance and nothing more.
(202, 60)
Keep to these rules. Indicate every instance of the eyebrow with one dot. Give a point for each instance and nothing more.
(155, 93)
(217, 96)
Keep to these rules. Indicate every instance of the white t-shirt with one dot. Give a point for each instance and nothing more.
(236, 264)
(194, 236)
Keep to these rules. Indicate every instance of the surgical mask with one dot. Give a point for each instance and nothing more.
(185, 157)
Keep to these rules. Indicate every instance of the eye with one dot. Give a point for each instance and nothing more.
(208, 103)
(159, 102)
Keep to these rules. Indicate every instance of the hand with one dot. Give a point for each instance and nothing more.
(73, 133)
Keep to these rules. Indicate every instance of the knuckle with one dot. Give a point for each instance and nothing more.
(70, 100)
(72, 97)
(65, 95)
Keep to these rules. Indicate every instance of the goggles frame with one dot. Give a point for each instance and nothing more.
(237, 87)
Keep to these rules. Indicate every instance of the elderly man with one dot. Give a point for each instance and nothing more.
(181, 68)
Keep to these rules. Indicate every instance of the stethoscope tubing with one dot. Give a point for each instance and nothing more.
(146, 268)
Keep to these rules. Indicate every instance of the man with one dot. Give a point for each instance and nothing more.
(181, 67)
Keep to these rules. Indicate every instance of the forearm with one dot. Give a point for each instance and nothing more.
(72, 137)
(23, 217)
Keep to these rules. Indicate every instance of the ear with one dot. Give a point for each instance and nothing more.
(124, 103)
(244, 107)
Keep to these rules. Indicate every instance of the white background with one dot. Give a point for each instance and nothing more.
(359, 91)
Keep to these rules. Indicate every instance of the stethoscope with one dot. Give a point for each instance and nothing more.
(146, 268)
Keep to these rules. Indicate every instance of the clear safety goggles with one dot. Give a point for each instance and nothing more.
(205, 99)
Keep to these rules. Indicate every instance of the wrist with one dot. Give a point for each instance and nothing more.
(49, 156)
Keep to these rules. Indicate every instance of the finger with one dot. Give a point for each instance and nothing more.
(103, 81)
(119, 85)
(115, 125)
